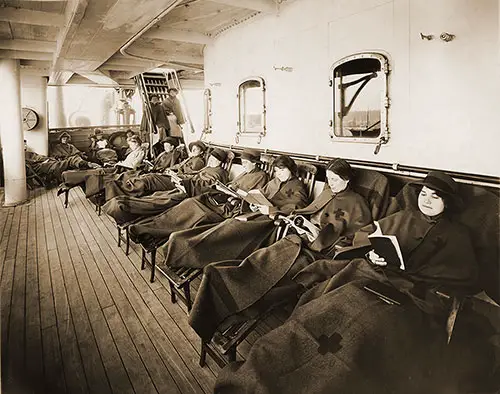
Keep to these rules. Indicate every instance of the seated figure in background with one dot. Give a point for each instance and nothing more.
(64, 149)
(364, 326)
(207, 208)
(93, 181)
(100, 150)
(145, 184)
(127, 183)
(125, 208)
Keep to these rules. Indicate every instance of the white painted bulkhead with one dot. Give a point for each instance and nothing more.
(445, 96)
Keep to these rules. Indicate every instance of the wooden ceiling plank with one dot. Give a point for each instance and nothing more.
(167, 33)
(74, 14)
(28, 45)
(30, 17)
(266, 6)
(31, 55)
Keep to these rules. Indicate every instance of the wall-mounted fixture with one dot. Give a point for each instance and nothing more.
(283, 68)
(427, 37)
(446, 37)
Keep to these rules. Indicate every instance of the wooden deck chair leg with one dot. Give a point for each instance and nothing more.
(127, 237)
(187, 294)
(203, 353)
(231, 354)
(153, 264)
(119, 236)
(66, 195)
(173, 298)
(143, 259)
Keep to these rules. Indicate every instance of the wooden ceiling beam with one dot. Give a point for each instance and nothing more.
(75, 11)
(60, 77)
(167, 33)
(28, 45)
(266, 6)
(30, 55)
(30, 17)
(98, 77)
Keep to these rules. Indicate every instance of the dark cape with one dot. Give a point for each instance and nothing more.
(342, 338)
(62, 151)
(125, 209)
(193, 212)
(233, 239)
(272, 268)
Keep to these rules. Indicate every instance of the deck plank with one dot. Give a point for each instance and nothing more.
(90, 319)
(34, 355)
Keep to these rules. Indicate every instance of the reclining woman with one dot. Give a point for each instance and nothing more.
(51, 168)
(139, 185)
(124, 208)
(233, 238)
(336, 214)
(363, 326)
(93, 181)
(207, 208)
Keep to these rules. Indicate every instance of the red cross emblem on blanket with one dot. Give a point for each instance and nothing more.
(329, 344)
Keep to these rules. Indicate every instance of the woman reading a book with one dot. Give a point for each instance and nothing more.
(234, 238)
(211, 207)
(365, 326)
(331, 219)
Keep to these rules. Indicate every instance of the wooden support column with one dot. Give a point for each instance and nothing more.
(11, 133)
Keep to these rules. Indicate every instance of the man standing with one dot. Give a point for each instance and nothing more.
(172, 106)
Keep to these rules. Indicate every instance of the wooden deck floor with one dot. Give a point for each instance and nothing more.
(79, 316)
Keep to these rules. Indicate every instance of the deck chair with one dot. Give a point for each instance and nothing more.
(123, 234)
(179, 279)
(222, 347)
(32, 177)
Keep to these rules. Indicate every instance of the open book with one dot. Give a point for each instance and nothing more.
(255, 197)
(225, 189)
(387, 246)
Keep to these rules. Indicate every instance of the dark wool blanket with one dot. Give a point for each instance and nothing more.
(230, 239)
(343, 339)
(229, 287)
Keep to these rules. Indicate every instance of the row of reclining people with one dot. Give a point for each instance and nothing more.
(341, 337)
(93, 181)
(189, 178)
(201, 215)
(439, 260)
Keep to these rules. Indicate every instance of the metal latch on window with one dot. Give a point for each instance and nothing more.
(382, 140)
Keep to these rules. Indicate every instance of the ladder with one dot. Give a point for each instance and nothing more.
(158, 84)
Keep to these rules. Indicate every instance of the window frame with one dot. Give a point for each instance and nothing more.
(383, 137)
(241, 131)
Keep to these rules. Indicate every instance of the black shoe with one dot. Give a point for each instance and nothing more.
(61, 190)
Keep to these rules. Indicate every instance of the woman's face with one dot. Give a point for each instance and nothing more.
(429, 202)
(247, 165)
(168, 147)
(133, 144)
(283, 174)
(195, 151)
(336, 183)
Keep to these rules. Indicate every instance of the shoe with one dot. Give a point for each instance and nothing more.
(62, 189)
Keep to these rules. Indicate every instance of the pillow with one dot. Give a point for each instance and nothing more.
(374, 187)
